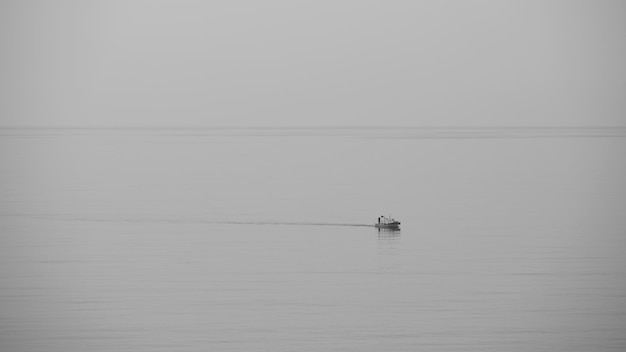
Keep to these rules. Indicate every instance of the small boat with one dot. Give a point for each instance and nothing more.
(387, 223)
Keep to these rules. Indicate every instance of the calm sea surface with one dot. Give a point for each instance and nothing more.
(253, 240)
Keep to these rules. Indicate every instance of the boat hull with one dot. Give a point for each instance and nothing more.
(392, 225)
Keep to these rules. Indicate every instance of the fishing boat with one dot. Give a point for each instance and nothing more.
(385, 222)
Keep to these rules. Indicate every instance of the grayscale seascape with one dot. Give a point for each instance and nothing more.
(192, 176)
(262, 239)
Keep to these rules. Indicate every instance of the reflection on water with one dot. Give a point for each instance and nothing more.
(388, 249)
(388, 233)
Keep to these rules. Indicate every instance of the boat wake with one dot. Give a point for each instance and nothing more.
(288, 223)
(183, 221)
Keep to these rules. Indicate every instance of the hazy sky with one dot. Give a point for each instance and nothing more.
(308, 63)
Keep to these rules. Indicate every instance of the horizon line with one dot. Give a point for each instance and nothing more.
(310, 127)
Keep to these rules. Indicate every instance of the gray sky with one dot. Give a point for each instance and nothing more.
(308, 63)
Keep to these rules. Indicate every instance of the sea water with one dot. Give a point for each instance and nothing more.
(261, 239)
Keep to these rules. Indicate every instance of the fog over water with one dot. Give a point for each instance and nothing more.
(205, 175)
(312, 63)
